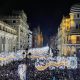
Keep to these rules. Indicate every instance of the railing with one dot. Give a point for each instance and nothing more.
(77, 42)
(74, 30)
(8, 30)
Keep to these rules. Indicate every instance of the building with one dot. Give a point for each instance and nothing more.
(14, 31)
(18, 21)
(37, 38)
(69, 33)
(62, 35)
(8, 37)
(75, 27)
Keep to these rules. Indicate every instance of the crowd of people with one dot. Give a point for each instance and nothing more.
(34, 74)
(10, 71)
(56, 74)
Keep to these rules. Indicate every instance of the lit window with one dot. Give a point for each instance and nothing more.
(72, 22)
(0, 27)
(78, 39)
(73, 39)
(72, 16)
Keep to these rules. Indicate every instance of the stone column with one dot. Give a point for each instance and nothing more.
(6, 44)
(19, 37)
(0, 44)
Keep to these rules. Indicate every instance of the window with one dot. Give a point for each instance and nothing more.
(69, 39)
(79, 25)
(3, 28)
(76, 26)
(5, 21)
(21, 46)
(10, 31)
(73, 39)
(0, 27)
(14, 21)
(74, 16)
(77, 15)
(7, 30)
(21, 30)
(78, 39)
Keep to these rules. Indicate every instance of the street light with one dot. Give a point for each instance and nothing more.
(28, 61)
(29, 55)
(56, 51)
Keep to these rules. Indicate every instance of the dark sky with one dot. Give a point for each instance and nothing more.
(46, 14)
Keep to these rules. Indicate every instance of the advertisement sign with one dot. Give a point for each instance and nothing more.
(60, 63)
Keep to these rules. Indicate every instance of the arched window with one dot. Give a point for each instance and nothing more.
(73, 39)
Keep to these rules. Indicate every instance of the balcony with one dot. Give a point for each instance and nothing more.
(69, 42)
(74, 31)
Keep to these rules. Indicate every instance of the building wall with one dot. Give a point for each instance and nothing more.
(8, 38)
(63, 36)
(69, 32)
(18, 21)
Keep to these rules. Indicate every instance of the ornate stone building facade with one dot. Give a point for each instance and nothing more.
(69, 33)
(18, 29)
(8, 37)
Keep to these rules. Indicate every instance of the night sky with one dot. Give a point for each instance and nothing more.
(45, 14)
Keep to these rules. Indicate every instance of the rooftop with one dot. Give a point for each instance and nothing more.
(75, 8)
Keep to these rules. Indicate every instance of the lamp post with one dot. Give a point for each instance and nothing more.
(56, 51)
(28, 61)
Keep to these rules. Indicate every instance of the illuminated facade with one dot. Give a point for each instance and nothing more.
(8, 38)
(18, 21)
(69, 32)
(37, 38)
(62, 35)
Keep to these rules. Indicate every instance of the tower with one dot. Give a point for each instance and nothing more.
(37, 37)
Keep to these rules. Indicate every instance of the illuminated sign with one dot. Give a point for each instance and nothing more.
(58, 62)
